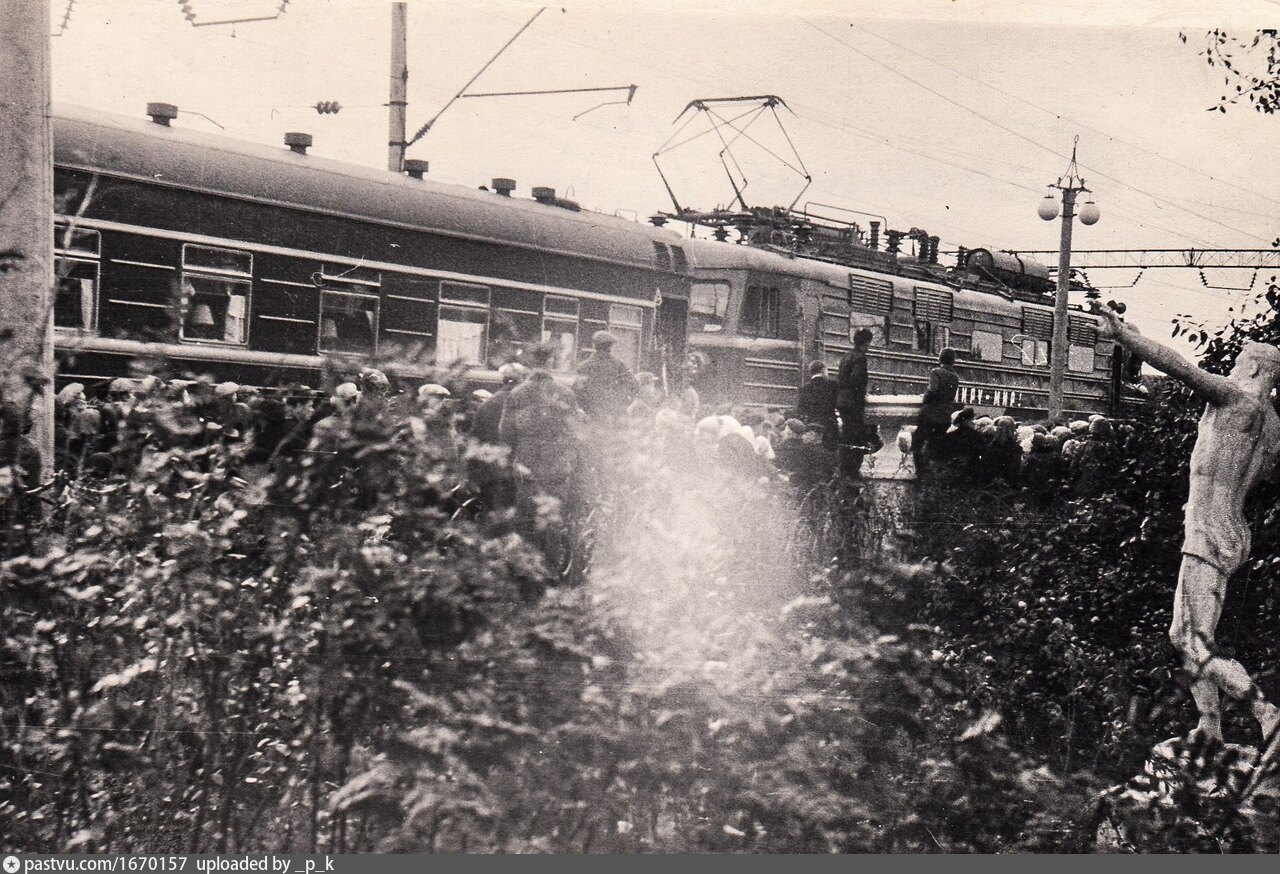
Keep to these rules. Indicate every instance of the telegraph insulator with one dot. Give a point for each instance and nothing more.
(187, 12)
(328, 107)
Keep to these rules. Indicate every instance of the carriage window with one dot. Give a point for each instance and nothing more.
(931, 337)
(76, 269)
(933, 310)
(761, 311)
(1080, 358)
(216, 284)
(348, 322)
(560, 329)
(464, 324)
(876, 324)
(1035, 351)
(627, 324)
(987, 346)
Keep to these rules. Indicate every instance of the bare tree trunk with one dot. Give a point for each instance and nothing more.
(26, 216)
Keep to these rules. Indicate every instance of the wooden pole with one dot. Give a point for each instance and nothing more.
(399, 89)
(26, 217)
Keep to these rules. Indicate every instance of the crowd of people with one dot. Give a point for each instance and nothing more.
(535, 414)
(953, 445)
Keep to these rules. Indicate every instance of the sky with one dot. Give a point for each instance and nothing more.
(945, 115)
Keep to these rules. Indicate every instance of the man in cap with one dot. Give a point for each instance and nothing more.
(605, 385)
(851, 402)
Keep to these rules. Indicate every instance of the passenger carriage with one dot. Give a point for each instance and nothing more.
(257, 264)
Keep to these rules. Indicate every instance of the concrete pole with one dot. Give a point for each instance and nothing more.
(26, 217)
(399, 88)
(1058, 359)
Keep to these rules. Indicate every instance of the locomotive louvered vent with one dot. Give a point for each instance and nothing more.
(1082, 331)
(868, 295)
(1037, 323)
(662, 254)
(677, 258)
(933, 306)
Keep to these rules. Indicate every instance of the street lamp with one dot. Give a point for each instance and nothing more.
(1070, 184)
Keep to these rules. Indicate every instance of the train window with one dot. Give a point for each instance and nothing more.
(932, 310)
(223, 261)
(627, 324)
(463, 326)
(1035, 351)
(348, 322)
(560, 329)
(987, 346)
(761, 311)
(708, 301)
(76, 270)
(1080, 358)
(76, 241)
(215, 294)
(76, 298)
(878, 326)
(464, 293)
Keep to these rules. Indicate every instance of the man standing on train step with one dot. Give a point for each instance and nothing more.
(851, 402)
(1237, 444)
(605, 386)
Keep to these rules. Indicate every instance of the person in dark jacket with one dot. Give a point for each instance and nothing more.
(935, 411)
(851, 403)
(488, 416)
(1041, 474)
(962, 446)
(816, 406)
(1002, 457)
(605, 385)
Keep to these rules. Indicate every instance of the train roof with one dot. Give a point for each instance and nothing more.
(716, 255)
(139, 148)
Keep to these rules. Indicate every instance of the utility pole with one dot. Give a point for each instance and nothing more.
(1070, 184)
(26, 218)
(399, 88)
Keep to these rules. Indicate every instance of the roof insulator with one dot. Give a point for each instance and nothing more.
(162, 113)
(298, 141)
(416, 168)
(504, 186)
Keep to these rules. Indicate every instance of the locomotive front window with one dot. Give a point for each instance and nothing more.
(627, 324)
(348, 322)
(215, 287)
(709, 299)
(560, 329)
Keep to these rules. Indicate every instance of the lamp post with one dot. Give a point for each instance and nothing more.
(1070, 184)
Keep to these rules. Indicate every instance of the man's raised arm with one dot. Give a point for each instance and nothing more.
(1213, 388)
